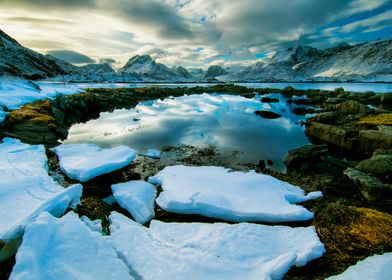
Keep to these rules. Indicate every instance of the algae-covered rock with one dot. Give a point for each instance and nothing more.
(337, 135)
(377, 165)
(352, 107)
(371, 187)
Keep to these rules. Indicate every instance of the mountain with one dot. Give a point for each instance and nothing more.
(90, 73)
(17, 60)
(371, 62)
(146, 68)
(215, 71)
(182, 71)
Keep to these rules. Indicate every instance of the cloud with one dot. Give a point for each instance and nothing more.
(49, 3)
(108, 61)
(71, 56)
(160, 17)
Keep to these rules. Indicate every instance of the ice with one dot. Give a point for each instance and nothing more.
(26, 189)
(138, 198)
(64, 249)
(377, 267)
(233, 196)
(212, 251)
(83, 162)
(95, 225)
(2, 115)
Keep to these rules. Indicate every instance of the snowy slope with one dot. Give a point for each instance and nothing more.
(371, 61)
(17, 60)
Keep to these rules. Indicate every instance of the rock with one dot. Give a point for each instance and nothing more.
(302, 111)
(304, 157)
(377, 165)
(337, 135)
(301, 101)
(58, 115)
(386, 99)
(267, 114)
(333, 100)
(352, 107)
(326, 117)
(371, 140)
(269, 100)
(370, 187)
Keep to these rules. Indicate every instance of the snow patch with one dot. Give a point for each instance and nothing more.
(26, 189)
(377, 267)
(83, 162)
(138, 198)
(66, 248)
(212, 251)
(218, 192)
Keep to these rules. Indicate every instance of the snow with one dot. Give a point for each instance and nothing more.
(218, 192)
(64, 249)
(212, 251)
(26, 189)
(377, 267)
(138, 198)
(83, 162)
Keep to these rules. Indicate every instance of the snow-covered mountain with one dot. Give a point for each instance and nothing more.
(17, 60)
(144, 67)
(90, 73)
(215, 71)
(371, 61)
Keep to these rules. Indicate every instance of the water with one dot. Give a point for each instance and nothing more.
(354, 87)
(225, 122)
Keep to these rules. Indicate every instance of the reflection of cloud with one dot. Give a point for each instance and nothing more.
(71, 56)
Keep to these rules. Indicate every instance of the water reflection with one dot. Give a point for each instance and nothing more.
(223, 121)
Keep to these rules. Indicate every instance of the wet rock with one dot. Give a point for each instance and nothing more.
(304, 157)
(267, 114)
(371, 140)
(371, 187)
(350, 107)
(337, 135)
(301, 101)
(302, 111)
(386, 99)
(269, 100)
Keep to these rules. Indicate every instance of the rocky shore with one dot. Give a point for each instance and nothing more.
(350, 161)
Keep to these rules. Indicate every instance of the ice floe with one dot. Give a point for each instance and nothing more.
(212, 251)
(65, 248)
(377, 267)
(26, 189)
(83, 162)
(138, 198)
(152, 153)
(234, 196)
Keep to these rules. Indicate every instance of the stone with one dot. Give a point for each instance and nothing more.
(269, 100)
(336, 135)
(326, 117)
(377, 165)
(350, 107)
(371, 140)
(370, 187)
(304, 157)
(302, 111)
(267, 114)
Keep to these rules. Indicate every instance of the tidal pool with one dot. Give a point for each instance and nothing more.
(225, 122)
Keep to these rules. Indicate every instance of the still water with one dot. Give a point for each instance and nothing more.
(225, 122)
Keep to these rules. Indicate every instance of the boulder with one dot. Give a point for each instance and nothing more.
(371, 140)
(336, 135)
(269, 100)
(377, 165)
(302, 110)
(304, 157)
(350, 107)
(326, 117)
(371, 188)
(333, 100)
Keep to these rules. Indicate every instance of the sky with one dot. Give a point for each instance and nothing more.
(192, 33)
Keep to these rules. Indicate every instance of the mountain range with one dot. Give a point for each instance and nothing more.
(361, 62)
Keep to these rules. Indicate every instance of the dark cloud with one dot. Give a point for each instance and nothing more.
(162, 18)
(35, 21)
(71, 56)
(48, 3)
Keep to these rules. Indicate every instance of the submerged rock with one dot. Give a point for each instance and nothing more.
(268, 114)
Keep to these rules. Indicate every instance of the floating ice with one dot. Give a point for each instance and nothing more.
(234, 196)
(26, 189)
(83, 162)
(152, 153)
(377, 267)
(65, 248)
(138, 198)
(212, 251)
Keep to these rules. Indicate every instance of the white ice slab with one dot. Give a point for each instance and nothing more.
(64, 249)
(212, 251)
(152, 153)
(138, 198)
(26, 189)
(234, 196)
(377, 267)
(83, 162)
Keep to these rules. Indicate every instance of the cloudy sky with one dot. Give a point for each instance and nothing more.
(189, 32)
